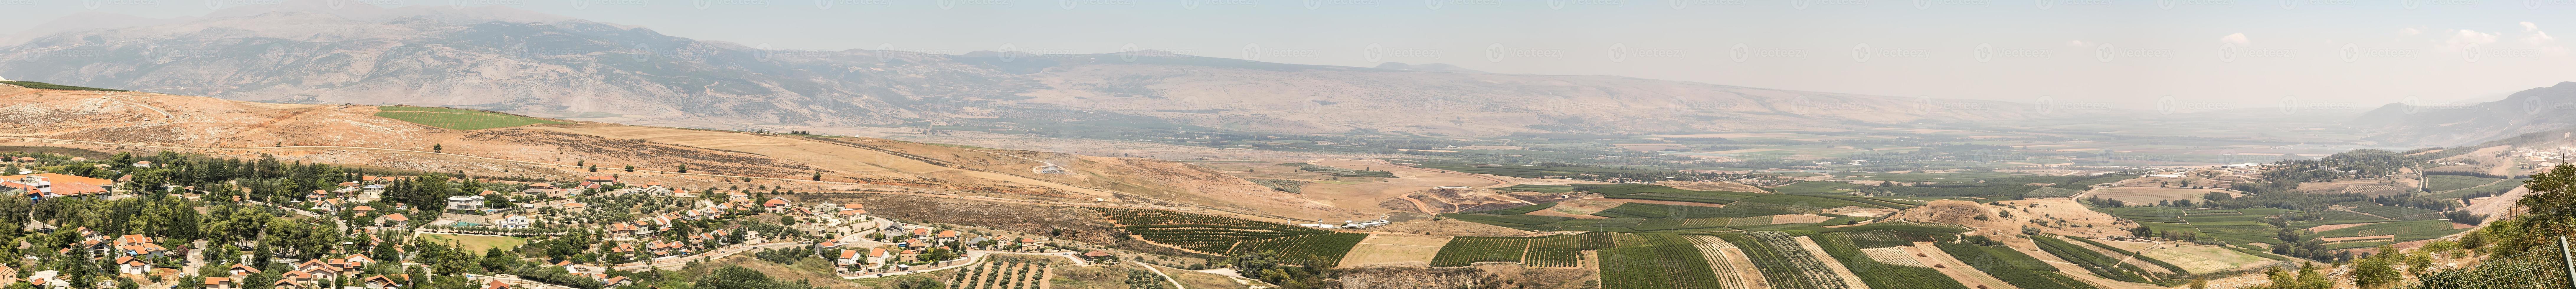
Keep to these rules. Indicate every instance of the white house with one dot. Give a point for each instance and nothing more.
(464, 202)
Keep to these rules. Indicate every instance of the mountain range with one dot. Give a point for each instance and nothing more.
(551, 66)
(2534, 110)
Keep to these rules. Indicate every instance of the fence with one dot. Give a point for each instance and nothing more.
(2545, 267)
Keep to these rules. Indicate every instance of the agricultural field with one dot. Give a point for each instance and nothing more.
(1564, 250)
(1520, 210)
(2488, 189)
(1660, 261)
(2405, 230)
(2101, 265)
(2439, 183)
(1539, 188)
(1881, 275)
(1549, 251)
(1394, 249)
(1715, 251)
(1817, 188)
(2011, 266)
(1785, 264)
(2149, 196)
(1002, 275)
(2194, 259)
(1463, 251)
(1525, 171)
(1230, 236)
(2399, 213)
(457, 119)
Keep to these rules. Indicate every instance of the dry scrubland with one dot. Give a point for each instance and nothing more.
(353, 134)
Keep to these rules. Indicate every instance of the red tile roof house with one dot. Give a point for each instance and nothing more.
(849, 257)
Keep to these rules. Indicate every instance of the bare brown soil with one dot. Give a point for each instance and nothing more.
(1395, 249)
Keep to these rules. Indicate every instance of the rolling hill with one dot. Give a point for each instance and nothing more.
(534, 64)
(355, 134)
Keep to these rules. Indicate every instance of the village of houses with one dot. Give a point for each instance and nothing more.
(859, 245)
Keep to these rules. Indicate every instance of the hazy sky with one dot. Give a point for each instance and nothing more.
(2198, 54)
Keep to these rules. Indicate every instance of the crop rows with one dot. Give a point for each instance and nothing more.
(2011, 266)
(2105, 266)
(1662, 261)
(1231, 236)
(1714, 249)
(1881, 239)
(1784, 263)
(1311, 250)
(1001, 275)
(1463, 251)
(1559, 250)
(1882, 275)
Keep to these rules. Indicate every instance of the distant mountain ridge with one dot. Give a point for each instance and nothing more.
(2540, 109)
(543, 65)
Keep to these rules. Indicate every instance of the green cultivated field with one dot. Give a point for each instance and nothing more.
(1881, 275)
(2405, 230)
(41, 85)
(2011, 266)
(1662, 261)
(457, 119)
(1463, 251)
(1231, 236)
(2439, 183)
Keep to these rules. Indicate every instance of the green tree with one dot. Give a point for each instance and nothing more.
(1139, 279)
(2378, 271)
(737, 277)
(630, 168)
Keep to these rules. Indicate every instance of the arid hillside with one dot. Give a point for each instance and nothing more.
(530, 63)
(354, 134)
